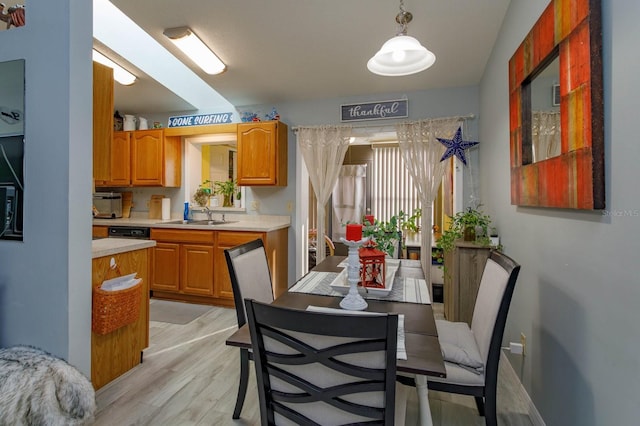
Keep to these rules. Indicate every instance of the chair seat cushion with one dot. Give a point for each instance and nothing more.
(457, 375)
(459, 346)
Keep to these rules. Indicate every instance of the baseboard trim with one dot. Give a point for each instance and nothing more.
(534, 414)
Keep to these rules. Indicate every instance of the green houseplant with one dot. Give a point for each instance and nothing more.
(470, 225)
(411, 224)
(202, 194)
(385, 234)
(227, 188)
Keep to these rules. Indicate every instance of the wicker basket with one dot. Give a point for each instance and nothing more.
(115, 309)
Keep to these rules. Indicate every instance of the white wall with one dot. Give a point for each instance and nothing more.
(45, 281)
(578, 293)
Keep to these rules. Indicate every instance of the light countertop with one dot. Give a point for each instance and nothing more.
(110, 246)
(237, 222)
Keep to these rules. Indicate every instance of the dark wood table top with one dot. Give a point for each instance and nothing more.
(421, 339)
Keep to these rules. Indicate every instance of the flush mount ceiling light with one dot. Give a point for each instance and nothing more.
(120, 75)
(402, 54)
(195, 49)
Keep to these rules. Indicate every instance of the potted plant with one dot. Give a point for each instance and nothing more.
(470, 225)
(227, 188)
(411, 224)
(385, 234)
(202, 194)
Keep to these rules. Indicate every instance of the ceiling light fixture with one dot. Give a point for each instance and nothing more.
(195, 49)
(120, 75)
(402, 54)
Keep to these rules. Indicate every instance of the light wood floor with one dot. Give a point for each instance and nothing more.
(190, 377)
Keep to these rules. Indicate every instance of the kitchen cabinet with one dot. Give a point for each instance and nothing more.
(117, 352)
(100, 231)
(102, 122)
(189, 265)
(463, 270)
(144, 158)
(183, 262)
(120, 159)
(262, 153)
(227, 240)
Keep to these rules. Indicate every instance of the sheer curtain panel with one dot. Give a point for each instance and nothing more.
(323, 149)
(422, 153)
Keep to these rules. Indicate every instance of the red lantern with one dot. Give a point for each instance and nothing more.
(373, 269)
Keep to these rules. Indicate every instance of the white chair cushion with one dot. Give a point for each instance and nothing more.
(458, 375)
(459, 346)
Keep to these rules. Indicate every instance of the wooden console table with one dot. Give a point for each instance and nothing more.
(463, 270)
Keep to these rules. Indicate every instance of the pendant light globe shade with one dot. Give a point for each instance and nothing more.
(401, 55)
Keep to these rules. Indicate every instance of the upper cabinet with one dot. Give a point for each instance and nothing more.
(132, 158)
(120, 159)
(145, 158)
(102, 122)
(262, 153)
(155, 160)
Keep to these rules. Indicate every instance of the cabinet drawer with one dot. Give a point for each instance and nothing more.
(234, 238)
(184, 236)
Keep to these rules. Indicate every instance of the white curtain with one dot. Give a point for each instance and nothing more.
(422, 153)
(323, 149)
(349, 198)
(545, 129)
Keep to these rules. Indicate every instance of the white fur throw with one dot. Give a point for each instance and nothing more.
(37, 388)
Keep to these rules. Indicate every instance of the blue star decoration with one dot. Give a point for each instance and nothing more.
(456, 146)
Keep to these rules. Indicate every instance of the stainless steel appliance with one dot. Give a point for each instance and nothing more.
(108, 205)
(139, 232)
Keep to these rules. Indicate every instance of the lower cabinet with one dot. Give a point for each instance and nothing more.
(183, 263)
(227, 240)
(100, 231)
(189, 265)
(115, 353)
(463, 270)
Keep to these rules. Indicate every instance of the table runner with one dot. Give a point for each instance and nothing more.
(404, 289)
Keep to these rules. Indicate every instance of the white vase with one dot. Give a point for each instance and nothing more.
(129, 122)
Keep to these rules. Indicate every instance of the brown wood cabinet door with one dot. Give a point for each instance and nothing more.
(147, 158)
(197, 269)
(121, 159)
(262, 156)
(100, 231)
(102, 122)
(227, 240)
(115, 353)
(166, 267)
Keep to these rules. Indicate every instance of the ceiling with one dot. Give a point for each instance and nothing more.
(278, 51)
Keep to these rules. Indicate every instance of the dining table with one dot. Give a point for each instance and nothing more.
(409, 297)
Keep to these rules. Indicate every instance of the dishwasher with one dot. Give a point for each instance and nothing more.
(138, 232)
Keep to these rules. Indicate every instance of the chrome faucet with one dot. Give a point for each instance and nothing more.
(209, 214)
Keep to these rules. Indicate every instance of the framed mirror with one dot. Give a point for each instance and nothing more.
(11, 149)
(559, 60)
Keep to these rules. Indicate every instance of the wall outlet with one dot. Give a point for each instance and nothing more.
(516, 348)
(289, 206)
(523, 342)
(255, 205)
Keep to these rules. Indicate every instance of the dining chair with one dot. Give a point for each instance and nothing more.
(250, 278)
(319, 368)
(472, 354)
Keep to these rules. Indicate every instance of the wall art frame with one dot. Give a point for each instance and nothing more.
(572, 31)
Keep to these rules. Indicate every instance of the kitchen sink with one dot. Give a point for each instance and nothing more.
(202, 222)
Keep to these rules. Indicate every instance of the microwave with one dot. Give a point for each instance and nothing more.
(107, 205)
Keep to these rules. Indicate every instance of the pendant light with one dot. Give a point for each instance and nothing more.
(402, 54)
